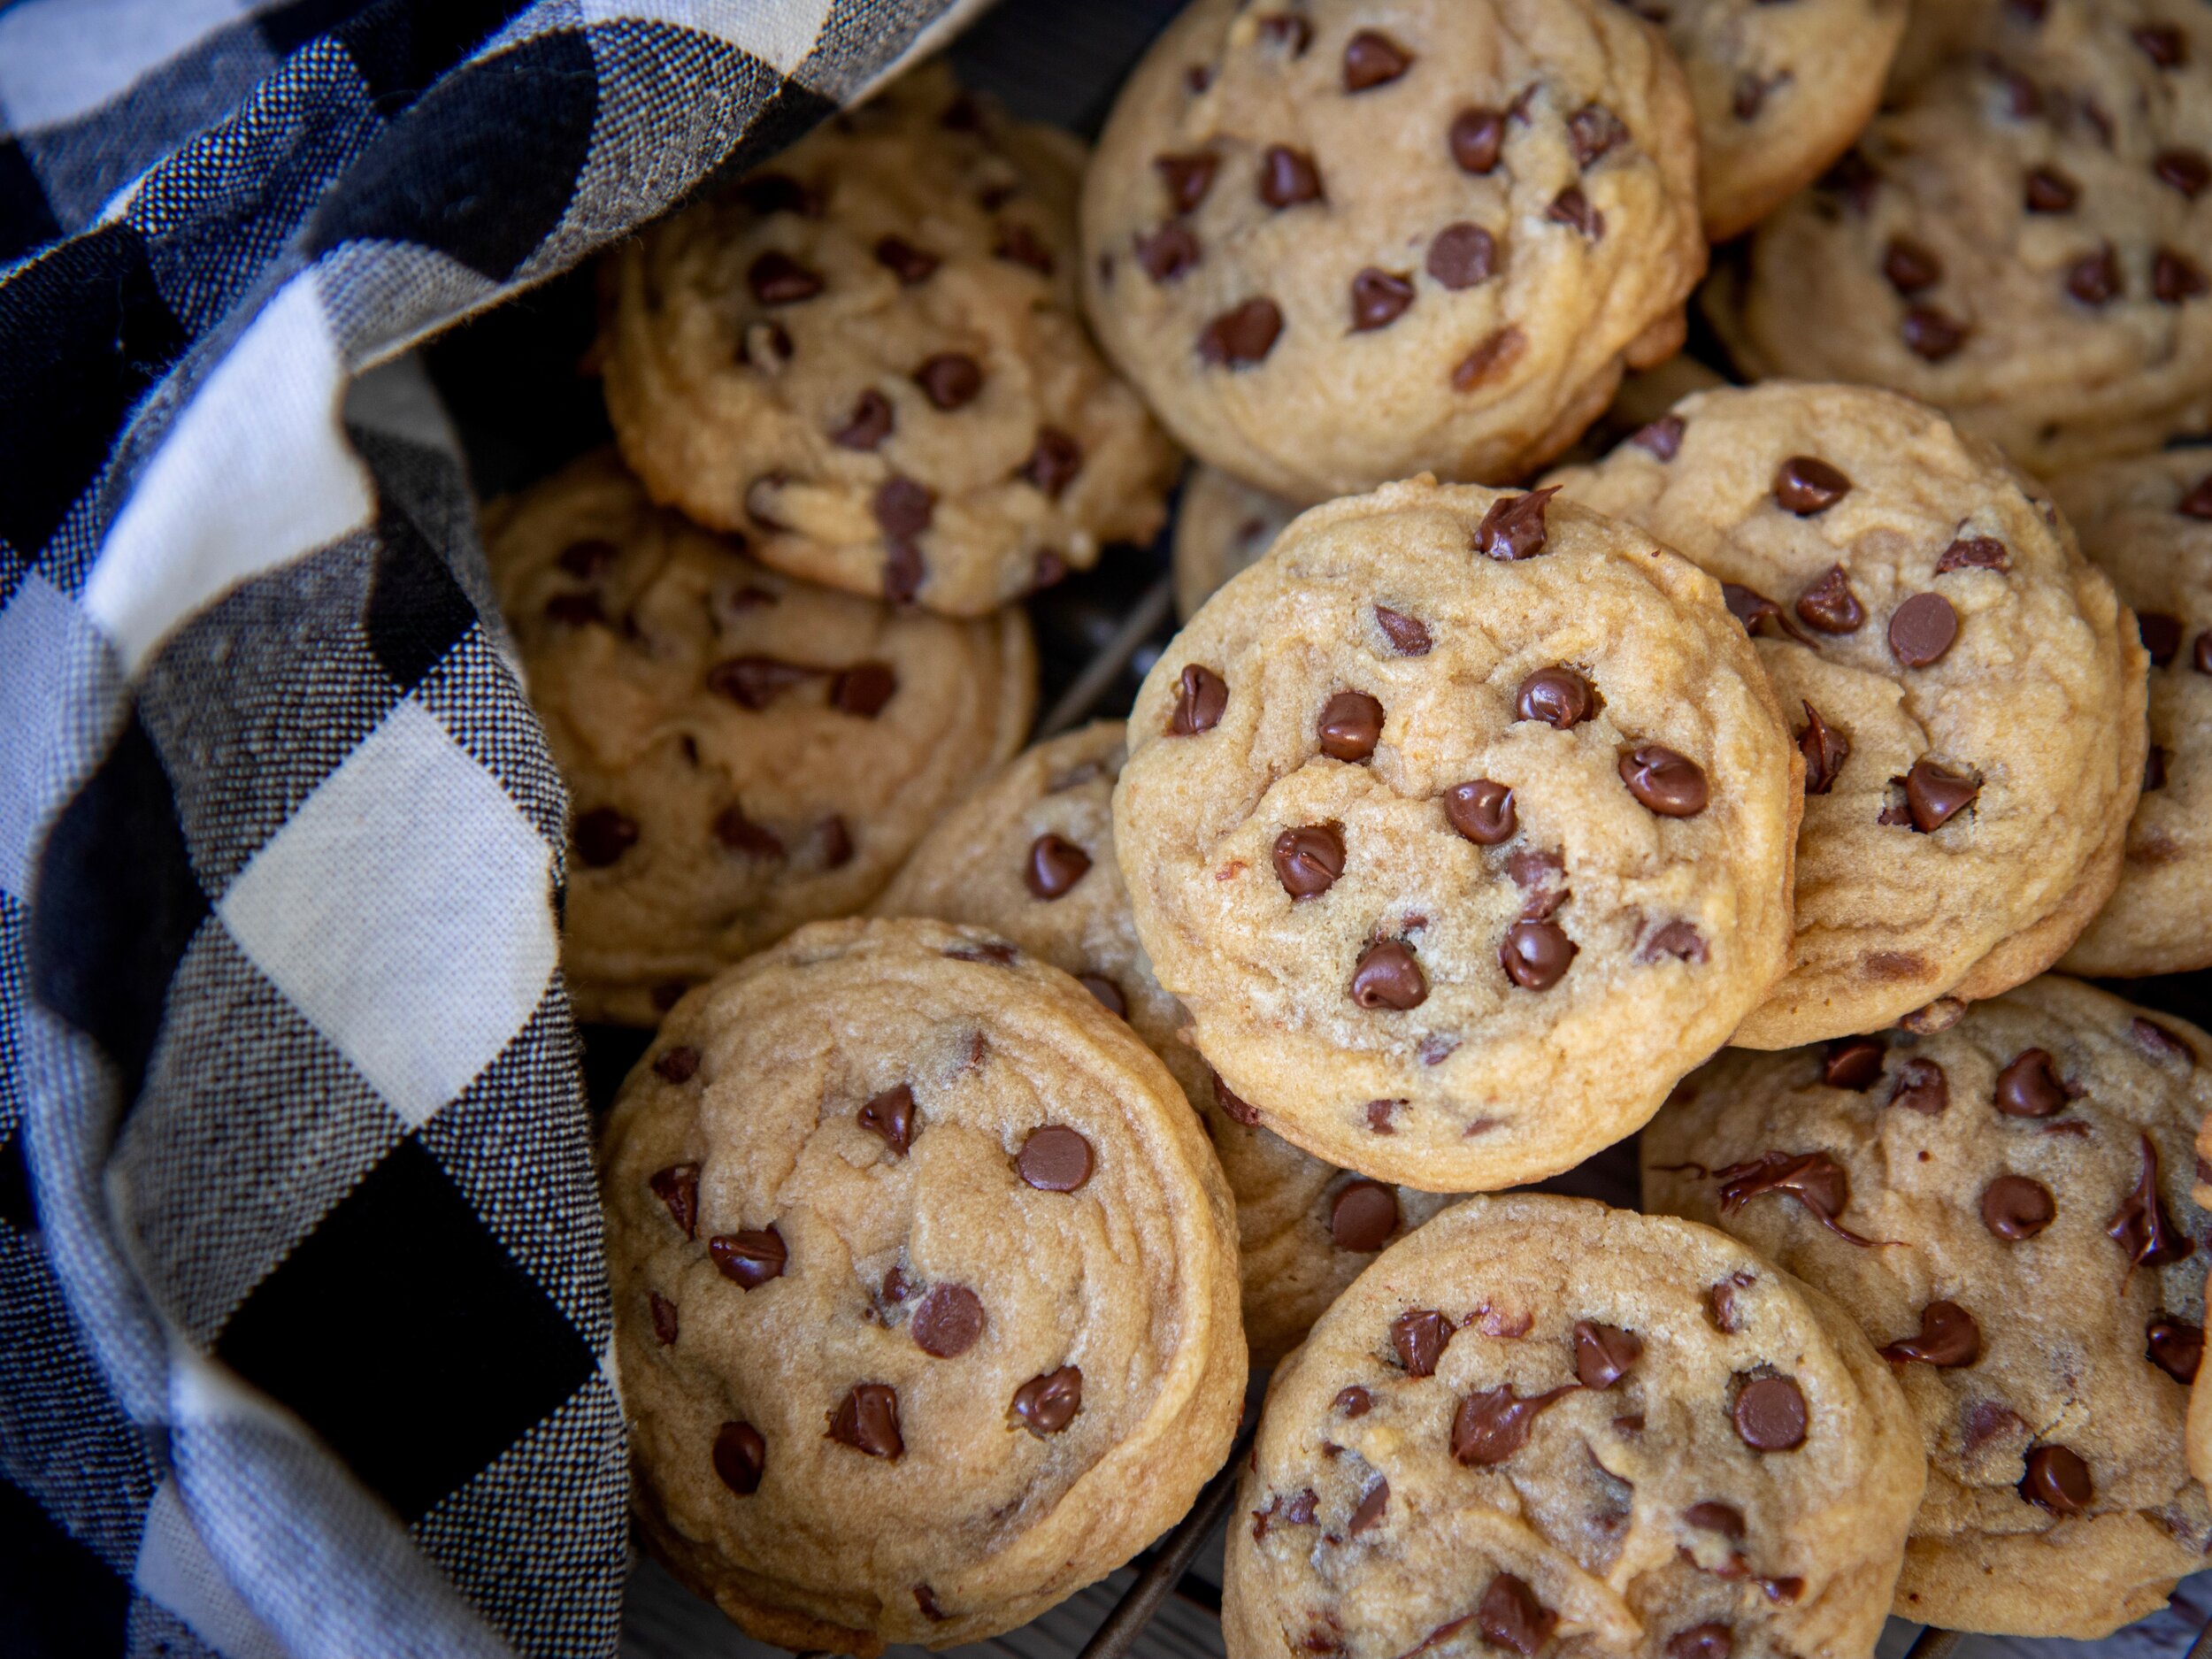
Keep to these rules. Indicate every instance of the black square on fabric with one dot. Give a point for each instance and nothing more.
(118, 903)
(400, 46)
(15, 1185)
(794, 112)
(57, 1599)
(25, 221)
(482, 167)
(405, 1333)
(416, 611)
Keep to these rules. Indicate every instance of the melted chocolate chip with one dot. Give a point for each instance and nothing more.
(1603, 1353)
(1513, 528)
(1477, 137)
(1388, 977)
(2196, 503)
(2187, 171)
(1288, 177)
(2176, 279)
(1813, 1178)
(1018, 245)
(1187, 178)
(1770, 1414)
(1418, 1337)
(950, 380)
(2094, 278)
(1369, 1514)
(1201, 697)
(1536, 955)
(891, 1115)
(1755, 611)
(1482, 811)
(1571, 207)
(1559, 697)
(950, 1322)
(910, 264)
(1488, 1428)
(1805, 485)
(2030, 1087)
(2163, 43)
(1909, 267)
(1048, 1403)
(864, 688)
(1362, 1218)
(1592, 130)
(750, 1258)
(1408, 636)
(1830, 605)
(867, 1420)
(1243, 334)
(1509, 1616)
(1056, 864)
(1054, 462)
(2049, 190)
(1308, 859)
(1922, 1087)
(2057, 1480)
(1825, 749)
(1054, 1159)
(2160, 635)
(870, 422)
(603, 834)
(2143, 1226)
(777, 279)
(740, 1458)
(1371, 58)
(1378, 299)
(678, 1188)
(903, 508)
(2015, 1207)
(664, 1320)
(1931, 334)
(1973, 553)
(1350, 726)
(754, 682)
(1168, 252)
(1934, 795)
(1672, 784)
(1461, 256)
(1853, 1063)
(1947, 1338)
(2161, 1044)
(1714, 1516)
(1493, 353)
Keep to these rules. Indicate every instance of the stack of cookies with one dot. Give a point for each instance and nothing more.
(1566, 746)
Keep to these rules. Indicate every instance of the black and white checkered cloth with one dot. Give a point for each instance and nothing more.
(303, 1320)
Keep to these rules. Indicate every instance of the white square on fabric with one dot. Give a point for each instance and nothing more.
(174, 1569)
(406, 909)
(779, 34)
(63, 58)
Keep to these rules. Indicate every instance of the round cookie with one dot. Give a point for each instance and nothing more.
(1539, 1416)
(869, 359)
(1337, 245)
(2147, 523)
(2025, 241)
(1461, 826)
(1781, 91)
(924, 1287)
(1981, 737)
(1029, 855)
(744, 752)
(1221, 525)
(2006, 1207)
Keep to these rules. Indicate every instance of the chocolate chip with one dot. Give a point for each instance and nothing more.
(1047, 1404)
(1350, 726)
(891, 1115)
(2160, 635)
(2057, 1480)
(867, 1420)
(1513, 528)
(1702, 1641)
(1931, 334)
(1662, 437)
(1054, 1159)
(1418, 1337)
(1369, 1512)
(1559, 697)
(1482, 811)
(1815, 1180)
(1909, 267)
(1603, 1353)
(1461, 256)
(1408, 636)
(1362, 1218)
(1672, 784)
(1592, 130)
(1477, 136)
(864, 689)
(740, 1458)
(950, 1322)
(2200, 653)
(1380, 1113)
(754, 682)
(1056, 864)
(664, 1320)
(1854, 179)
(750, 1258)
(903, 260)
(1720, 1303)
(2176, 279)
(1353, 1401)
(926, 1599)
(1853, 1063)
(2143, 1227)
(2050, 191)
(2094, 278)
(2196, 503)
(589, 559)
(1242, 334)
(1536, 955)
(1379, 299)
(678, 1064)
(2015, 1207)
(1922, 629)
(777, 279)
(950, 380)
(1830, 605)
(1388, 977)
(1770, 1414)
(1288, 177)
(1201, 697)
(1677, 939)
(1806, 485)
(1755, 611)
(2175, 1345)
(1825, 749)
(2161, 1044)
(1238, 1108)
(1922, 1087)
(1488, 1428)
(1494, 352)
(766, 347)
(1187, 178)
(575, 610)
(2187, 171)
(603, 834)
(2163, 43)
(870, 422)
(1571, 207)
(1167, 252)
(2029, 1087)
(1934, 795)
(1018, 245)
(1751, 94)
(1714, 1516)
(1371, 58)
(1947, 1338)
(1308, 859)
(903, 508)
(1509, 1616)
(1973, 553)
(2154, 769)
(1106, 992)
(1288, 30)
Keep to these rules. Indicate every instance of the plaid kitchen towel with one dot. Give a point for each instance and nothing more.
(304, 1321)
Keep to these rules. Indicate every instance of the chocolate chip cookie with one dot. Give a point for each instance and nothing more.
(1458, 222)
(1030, 855)
(2005, 1206)
(1221, 525)
(1537, 1417)
(925, 1289)
(869, 360)
(1461, 825)
(744, 752)
(1967, 701)
(2026, 240)
(1781, 91)
(2147, 523)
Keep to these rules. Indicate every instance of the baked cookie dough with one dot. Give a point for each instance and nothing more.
(2025, 241)
(1337, 246)
(1538, 1417)
(1221, 525)
(744, 752)
(924, 1286)
(868, 358)
(2147, 523)
(1781, 91)
(1029, 855)
(2006, 1208)
(1960, 682)
(1461, 825)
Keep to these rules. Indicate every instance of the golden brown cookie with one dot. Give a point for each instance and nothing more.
(2006, 1207)
(869, 360)
(744, 752)
(924, 1286)
(1221, 525)
(1461, 824)
(1337, 246)
(1538, 1425)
